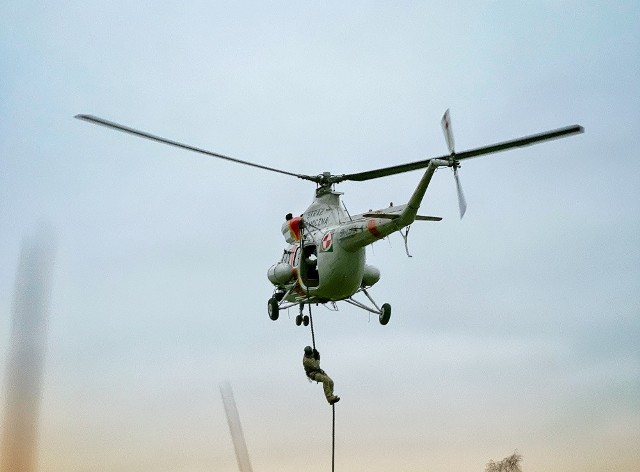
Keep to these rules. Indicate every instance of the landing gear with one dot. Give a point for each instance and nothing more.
(272, 308)
(385, 314)
(279, 295)
(302, 320)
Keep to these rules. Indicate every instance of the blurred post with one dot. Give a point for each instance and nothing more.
(233, 418)
(27, 346)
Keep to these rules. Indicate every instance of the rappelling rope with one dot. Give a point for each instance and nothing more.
(333, 406)
(333, 439)
(313, 336)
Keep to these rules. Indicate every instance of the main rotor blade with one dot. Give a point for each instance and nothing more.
(143, 134)
(526, 141)
(235, 428)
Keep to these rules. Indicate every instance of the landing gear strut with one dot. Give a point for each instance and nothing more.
(384, 312)
(273, 307)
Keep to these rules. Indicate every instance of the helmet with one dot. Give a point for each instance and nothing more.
(308, 350)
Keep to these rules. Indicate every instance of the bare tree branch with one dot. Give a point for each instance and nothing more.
(508, 464)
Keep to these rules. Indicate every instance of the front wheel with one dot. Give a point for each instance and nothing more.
(273, 309)
(385, 314)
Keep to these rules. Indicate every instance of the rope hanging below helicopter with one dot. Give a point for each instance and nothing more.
(302, 236)
(333, 405)
(313, 336)
(333, 439)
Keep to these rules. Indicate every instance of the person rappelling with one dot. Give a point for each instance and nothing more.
(311, 363)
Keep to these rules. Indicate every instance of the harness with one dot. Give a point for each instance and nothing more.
(311, 374)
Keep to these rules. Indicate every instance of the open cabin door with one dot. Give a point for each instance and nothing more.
(308, 266)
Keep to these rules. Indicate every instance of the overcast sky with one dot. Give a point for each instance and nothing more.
(515, 328)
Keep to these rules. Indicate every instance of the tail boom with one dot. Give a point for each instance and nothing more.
(366, 231)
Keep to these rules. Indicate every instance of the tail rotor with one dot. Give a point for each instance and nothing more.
(455, 164)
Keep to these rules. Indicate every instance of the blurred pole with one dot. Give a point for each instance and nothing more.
(233, 418)
(27, 346)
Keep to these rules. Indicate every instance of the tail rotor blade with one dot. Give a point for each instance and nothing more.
(448, 133)
(233, 418)
(462, 202)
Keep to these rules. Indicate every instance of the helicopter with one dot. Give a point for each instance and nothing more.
(324, 261)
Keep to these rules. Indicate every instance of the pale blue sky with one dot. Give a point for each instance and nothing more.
(516, 328)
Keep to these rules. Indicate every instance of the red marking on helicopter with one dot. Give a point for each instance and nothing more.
(294, 227)
(327, 242)
(373, 228)
(292, 256)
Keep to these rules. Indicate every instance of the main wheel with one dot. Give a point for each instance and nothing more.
(298, 320)
(272, 308)
(385, 315)
(305, 320)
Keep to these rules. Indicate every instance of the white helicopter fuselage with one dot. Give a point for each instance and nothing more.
(326, 258)
(316, 265)
(339, 270)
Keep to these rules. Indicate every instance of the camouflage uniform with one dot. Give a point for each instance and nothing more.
(311, 363)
